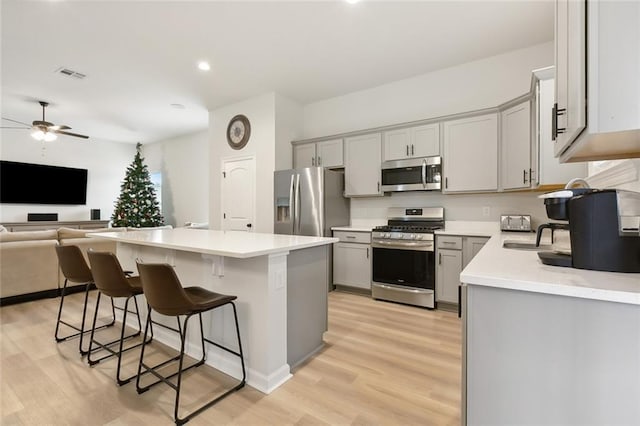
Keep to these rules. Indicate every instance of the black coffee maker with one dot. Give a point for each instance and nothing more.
(604, 229)
(557, 206)
(605, 235)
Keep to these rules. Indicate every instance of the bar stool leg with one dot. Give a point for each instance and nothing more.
(120, 341)
(81, 331)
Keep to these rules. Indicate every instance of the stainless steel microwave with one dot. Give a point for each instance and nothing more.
(415, 174)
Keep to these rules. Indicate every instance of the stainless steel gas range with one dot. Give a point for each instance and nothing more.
(404, 257)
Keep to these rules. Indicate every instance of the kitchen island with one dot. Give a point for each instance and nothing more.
(547, 345)
(280, 281)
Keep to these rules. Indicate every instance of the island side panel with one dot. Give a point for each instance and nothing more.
(546, 359)
(308, 279)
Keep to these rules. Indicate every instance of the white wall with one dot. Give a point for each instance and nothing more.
(275, 122)
(106, 163)
(184, 164)
(475, 85)
(261, 114)
(480, 84)
(289, 127)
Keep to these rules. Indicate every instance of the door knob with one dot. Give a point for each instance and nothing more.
(248, 225)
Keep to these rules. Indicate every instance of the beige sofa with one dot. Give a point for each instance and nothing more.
(29, 264)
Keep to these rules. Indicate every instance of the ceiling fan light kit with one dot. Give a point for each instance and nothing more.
(40, 135)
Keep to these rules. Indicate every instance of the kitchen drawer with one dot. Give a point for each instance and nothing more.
(447, 242)
(353, 237)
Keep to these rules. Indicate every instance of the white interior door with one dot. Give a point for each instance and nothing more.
(238, 194)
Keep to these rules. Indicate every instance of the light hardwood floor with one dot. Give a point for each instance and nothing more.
(383, 364)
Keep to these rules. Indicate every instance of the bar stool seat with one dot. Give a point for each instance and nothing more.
(75, 270)
(113, 282)
(165, 295)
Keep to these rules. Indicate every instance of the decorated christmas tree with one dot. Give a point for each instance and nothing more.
(137, 205)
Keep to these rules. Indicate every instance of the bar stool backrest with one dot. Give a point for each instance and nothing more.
(163, 289)
(108, 274)
(72, 263)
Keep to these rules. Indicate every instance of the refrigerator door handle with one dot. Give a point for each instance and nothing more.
(297, 206)
(292, 205)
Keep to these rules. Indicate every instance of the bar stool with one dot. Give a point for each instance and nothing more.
(113, 282)
(75, 270)
(166, 296)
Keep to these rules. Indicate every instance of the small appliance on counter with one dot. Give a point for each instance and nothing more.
(603, 229)
(515, 222)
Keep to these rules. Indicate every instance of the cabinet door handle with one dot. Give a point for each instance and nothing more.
(555, 130)
(446, 183)
(411, 149)
(378, 186)
(439, 258)
(407, 146)
(524, 176)
(313, 161)
(319, 161)
(367, 252)
(351, 236)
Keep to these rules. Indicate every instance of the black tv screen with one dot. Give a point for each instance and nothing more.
(25, 183)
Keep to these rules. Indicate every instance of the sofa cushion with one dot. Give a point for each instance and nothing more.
(28, 266)
(6, 237)
(66, 233)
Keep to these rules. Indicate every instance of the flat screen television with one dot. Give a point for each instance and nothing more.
(25, 183)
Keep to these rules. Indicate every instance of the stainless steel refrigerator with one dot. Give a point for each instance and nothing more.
(309, 201)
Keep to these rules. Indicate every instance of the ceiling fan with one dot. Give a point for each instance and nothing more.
(45, 130)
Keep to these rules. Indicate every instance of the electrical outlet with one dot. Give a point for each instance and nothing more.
(486, 211)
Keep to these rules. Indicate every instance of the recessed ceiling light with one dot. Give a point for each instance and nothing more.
(176, 106)
(352, 1)
(204, 66)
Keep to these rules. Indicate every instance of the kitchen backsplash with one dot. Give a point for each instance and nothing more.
(467, 207)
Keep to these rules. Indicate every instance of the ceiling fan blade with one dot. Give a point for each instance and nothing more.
(21, 128)
(59, 127)
(71, 134)
(15, 121)
(38, 123)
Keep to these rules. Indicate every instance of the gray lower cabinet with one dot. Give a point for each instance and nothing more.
(453, 254)
(352, 260)
(543, 359)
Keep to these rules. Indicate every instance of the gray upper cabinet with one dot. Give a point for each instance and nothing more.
(597, 84)
(570, 71)
(547, 169)
(412, 142)
(362, 165)
(516, 146)
(471, 154)
(327, 153)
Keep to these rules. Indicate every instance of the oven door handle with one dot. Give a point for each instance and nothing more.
(408, 245)
(424, 173)
(402, 289)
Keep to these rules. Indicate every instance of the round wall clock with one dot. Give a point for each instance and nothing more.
(238, 131)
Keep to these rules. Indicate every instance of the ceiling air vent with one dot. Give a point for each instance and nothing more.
(70, 73)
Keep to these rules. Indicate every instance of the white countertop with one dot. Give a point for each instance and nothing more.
(495, 266)
(237, 244)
